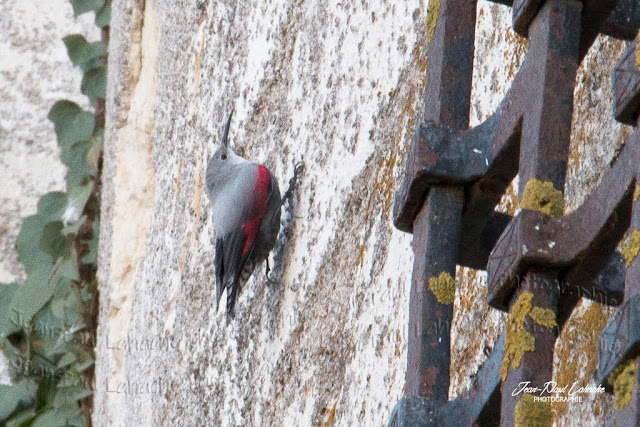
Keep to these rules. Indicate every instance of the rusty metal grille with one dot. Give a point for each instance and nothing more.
(538, 261)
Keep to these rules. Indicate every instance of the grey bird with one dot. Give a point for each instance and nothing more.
(245, 199)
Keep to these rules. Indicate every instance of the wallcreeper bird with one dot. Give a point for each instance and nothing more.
(246, 217)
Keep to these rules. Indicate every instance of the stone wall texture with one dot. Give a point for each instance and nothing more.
(338, 85)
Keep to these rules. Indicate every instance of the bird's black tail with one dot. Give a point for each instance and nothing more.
(235, 285)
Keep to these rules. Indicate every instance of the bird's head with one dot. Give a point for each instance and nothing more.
(223, 153)
(221, 163)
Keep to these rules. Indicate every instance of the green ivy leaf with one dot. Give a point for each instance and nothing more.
(84, 6)
(54, 335)
(52, 205)
(28, 244)
(94, 83)
(63, 287)
(50, 208)
(23, 393)
(23, 419)
(57, 308)
(33, 294)
(82, 53)
(71, 378)
(69, 394)
(83, 394)
(103, 16)
(71, 122)
(74, 307)
(93, 156)
(78, 196)
(81, 367)
(76, 160)
(69, 265)
(92, 256)
(7, 325)
(52, 240)
(9, 401)
(63, 415)
(66, 360)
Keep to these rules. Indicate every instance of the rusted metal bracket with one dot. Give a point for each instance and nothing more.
(577, 243)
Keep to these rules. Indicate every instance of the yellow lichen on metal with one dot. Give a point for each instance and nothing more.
(532, 413)
(631, 249)
(518, 340)
(579, 336)
(433, 11)
(543, 316)
(443, 287)
(542, 196)
(623, 379)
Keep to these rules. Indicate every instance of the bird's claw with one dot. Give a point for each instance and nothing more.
(293, 182)
(266, 274)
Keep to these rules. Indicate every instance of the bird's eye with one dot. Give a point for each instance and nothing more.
(223, 157)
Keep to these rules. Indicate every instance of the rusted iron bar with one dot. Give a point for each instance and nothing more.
(437, 226)
(619, 341)
(624, 22)
(432, 291)
(480, 405)
(594, 14)
(443, 155)
(478, 237)
(554, 49)
(619, 344)
(534, 365)
(626, 87)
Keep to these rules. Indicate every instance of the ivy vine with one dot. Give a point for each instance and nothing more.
(47, 323)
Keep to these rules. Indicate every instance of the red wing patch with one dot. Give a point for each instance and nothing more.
(257, 210)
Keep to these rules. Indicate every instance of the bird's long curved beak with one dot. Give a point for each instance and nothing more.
(225, 134)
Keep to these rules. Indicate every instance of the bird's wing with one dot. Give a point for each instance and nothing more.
(219, 270)
(238, 243)
(270, 225)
